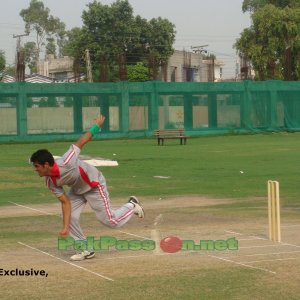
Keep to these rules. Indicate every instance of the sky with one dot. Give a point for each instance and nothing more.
(216, 23)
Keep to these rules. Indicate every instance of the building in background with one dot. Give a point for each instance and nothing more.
(186, 66)
(59, 69)
(183, 66)
(51, 70)
(213, 69)
(37, 78)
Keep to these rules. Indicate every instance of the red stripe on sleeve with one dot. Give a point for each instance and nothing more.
(70, 155)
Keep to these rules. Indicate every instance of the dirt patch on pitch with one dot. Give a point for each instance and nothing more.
(188, 218)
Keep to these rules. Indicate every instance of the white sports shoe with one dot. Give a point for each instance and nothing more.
(83, 255)
(138, 208)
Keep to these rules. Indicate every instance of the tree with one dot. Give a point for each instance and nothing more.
(10, 70)
(161, 37)
(116, 39)
(2, 60)
(109, 34)
(76, 43)
(30, 56)
(254, 5)
(37, 19)
(272, 43)
(51, 47)
(60, 35)
(75, 47)
(2, 64)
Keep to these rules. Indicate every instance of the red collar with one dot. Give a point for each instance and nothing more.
(55, 171)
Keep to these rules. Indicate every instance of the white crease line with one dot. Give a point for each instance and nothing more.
(228, 231)
(74, 265)
(267, 260)
(50, 214)
(122, 257)
(41, 211)
(251, 239)
(265, 254)
(204, 254)
(153, 255)
(242, 264)
(259, 238)
(134, 256)
(263, 246)
(291, 245)
(139, 236)
(250, 236)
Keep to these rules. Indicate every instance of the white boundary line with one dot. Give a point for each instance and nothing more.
(74, 265)
(242, 264)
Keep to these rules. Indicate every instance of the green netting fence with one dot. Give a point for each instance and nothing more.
(45, 112)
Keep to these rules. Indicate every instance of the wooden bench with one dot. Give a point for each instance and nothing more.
(162, 134)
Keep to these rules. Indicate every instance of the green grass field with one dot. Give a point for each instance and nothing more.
(222, 166)
(214, 188)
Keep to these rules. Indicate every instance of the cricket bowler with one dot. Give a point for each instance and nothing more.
(86, 185)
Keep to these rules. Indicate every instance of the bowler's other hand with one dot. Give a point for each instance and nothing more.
(100, 120)
(64, 233)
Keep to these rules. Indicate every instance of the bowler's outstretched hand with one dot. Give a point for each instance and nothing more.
(100, 120)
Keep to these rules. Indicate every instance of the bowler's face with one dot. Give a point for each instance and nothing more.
(42, 170)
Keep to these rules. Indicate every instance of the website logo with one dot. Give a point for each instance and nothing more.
(169, 244)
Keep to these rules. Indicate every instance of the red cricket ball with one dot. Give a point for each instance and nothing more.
(171, 244)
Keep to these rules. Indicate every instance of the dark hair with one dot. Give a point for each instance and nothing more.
(42, 156)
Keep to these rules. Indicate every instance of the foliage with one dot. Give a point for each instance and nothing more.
(51, 47)
(116, 38)
(2, 60)
(138, 72)
(10, 70)
(37, 19)
(209, 56)
(254, 5)
(68, 101)
(75, 42)
(161, 39)
(48, 102)
(272, 43)
(30, 56)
